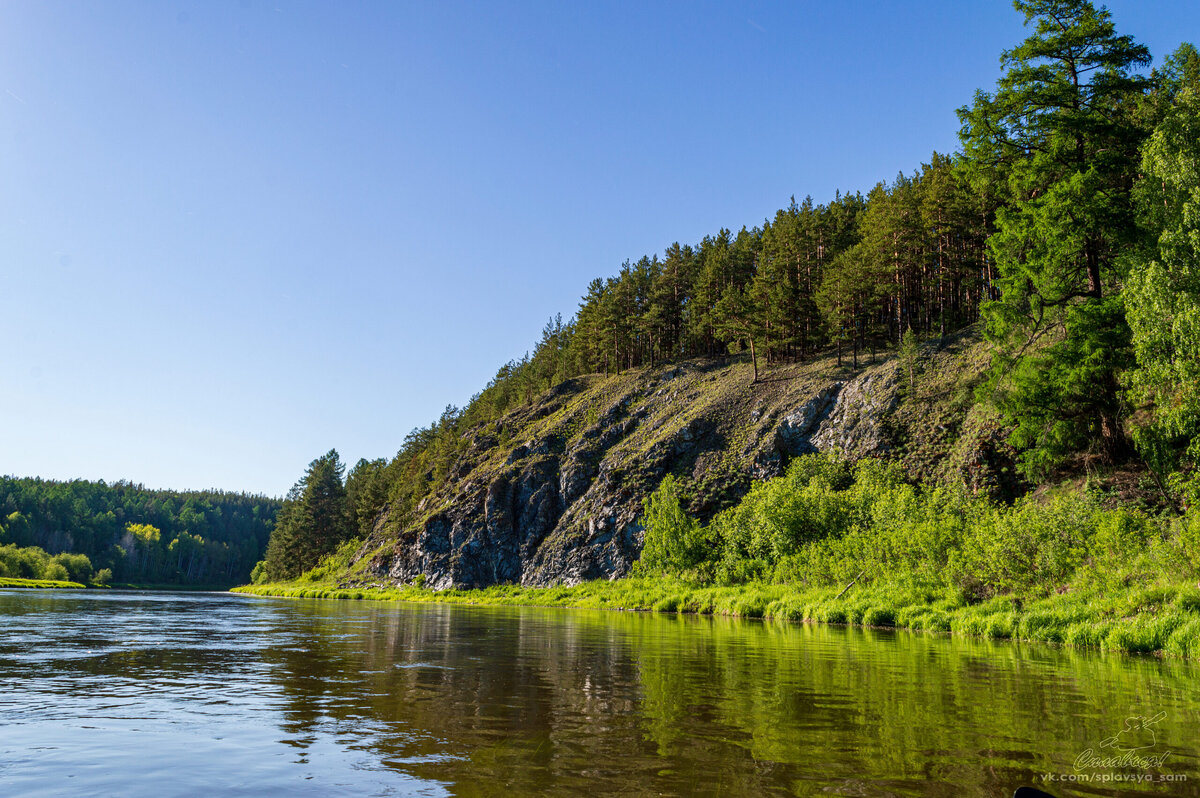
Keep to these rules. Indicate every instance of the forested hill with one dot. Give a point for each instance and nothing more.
(1066, 231)
(138, 535)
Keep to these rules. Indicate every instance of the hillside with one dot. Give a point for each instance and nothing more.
(551, 493)
(1049, 268)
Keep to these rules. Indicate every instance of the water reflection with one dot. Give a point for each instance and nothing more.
(239, 695)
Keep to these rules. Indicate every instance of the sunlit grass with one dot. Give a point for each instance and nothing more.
(8, 581)
(1161, 619)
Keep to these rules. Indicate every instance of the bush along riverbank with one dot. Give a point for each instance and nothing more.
(31, 566)
(839, 543)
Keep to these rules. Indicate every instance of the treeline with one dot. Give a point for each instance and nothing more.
(856, 272)
(1069, 224)
(853, 274)
(138, 535)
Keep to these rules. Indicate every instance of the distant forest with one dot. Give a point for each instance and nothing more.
(1067, 227)
(137, 535)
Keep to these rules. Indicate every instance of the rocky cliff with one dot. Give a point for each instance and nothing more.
(551, 494)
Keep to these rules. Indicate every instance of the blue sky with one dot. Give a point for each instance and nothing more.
(234, 235)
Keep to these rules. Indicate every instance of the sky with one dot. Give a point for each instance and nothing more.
(236, 234)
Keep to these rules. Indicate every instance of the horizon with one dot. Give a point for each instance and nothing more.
(234, 233)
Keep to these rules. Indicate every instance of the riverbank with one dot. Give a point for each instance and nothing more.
(1161, 619)
(170, 586)
(8, 581)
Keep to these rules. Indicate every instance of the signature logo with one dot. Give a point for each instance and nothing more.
(1138, 734)
(1131, 747)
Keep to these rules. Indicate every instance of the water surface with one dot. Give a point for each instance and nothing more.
(161, 694)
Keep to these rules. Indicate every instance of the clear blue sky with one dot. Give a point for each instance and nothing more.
(234, 235)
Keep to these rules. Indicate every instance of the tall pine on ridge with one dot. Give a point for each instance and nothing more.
(1061, 134)
(313, 522)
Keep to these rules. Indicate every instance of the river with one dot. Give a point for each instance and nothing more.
(160, 694)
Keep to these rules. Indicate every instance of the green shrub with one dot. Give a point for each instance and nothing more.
(835, 474)
(879, 616)
(673, 541)
(258, 574)
(77, 565)
(57, 572)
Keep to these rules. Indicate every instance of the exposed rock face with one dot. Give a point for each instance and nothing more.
(488, 534)
(560, 502)
(855, 428)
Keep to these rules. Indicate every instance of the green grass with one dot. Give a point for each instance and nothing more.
(1163, 619)
(8, 581)
(173, 587)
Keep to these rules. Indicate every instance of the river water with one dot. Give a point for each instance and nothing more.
(163, 694)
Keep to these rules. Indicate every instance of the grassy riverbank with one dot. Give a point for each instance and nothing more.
(8, 581)
(837, 543)
(170, 586)
(1161, 618)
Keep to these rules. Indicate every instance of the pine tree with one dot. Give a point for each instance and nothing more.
(736, 319)
(773, 290)
(669, 299)
(366, 493)
(951, 213)
(313, 522)
(835, 299)
(715, 276)
(589, 349)
(1061, 134)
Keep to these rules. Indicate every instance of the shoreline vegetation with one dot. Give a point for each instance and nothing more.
(7, 582)
(834, 542)
(43, 584)
(1162, 620)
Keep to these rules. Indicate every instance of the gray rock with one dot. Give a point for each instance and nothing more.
(793, 435)
(855, 427)
(564, 505)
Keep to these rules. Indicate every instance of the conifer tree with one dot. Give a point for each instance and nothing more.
(313, 522)
(773, 290)
(366, 493)
(1060, 133)
(736, 319)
